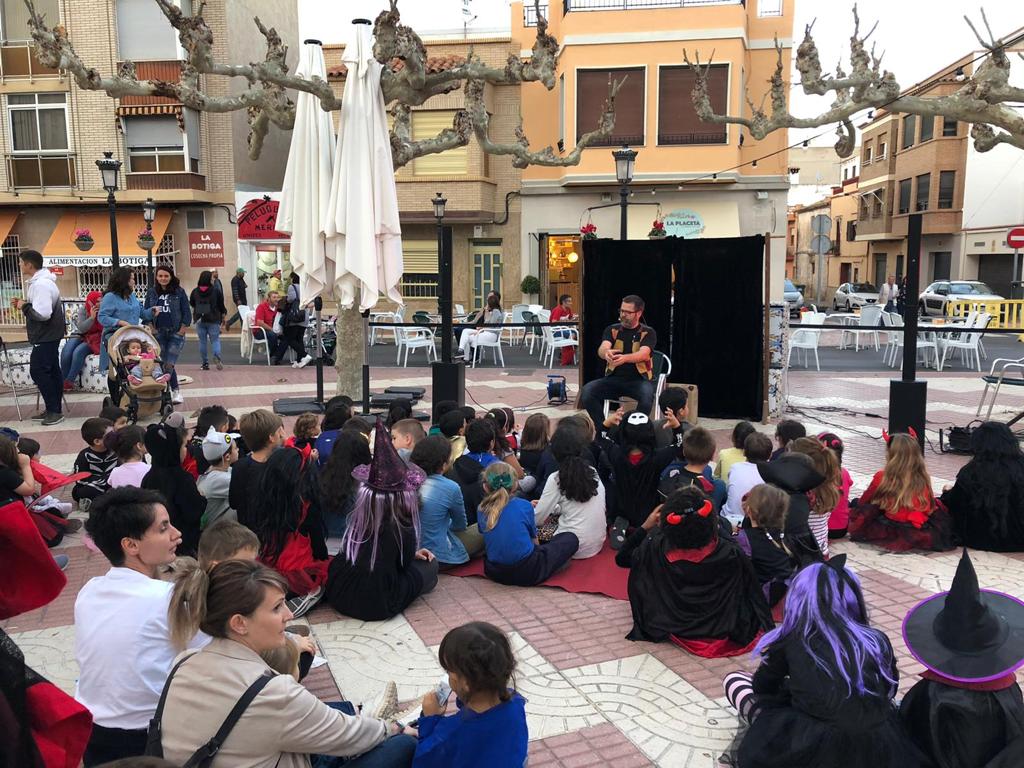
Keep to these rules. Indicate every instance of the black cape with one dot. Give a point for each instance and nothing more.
(960, 728)
(715, 599)
(987, 509)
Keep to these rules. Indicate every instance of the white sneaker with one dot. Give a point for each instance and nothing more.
(304, 361)
(176, 397)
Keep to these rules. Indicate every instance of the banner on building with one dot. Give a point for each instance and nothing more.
(91, 261)
(206, 249)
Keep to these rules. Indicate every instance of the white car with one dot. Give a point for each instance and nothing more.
(935, 298)
(850, 295)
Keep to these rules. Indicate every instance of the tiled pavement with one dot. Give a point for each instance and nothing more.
(594, 698)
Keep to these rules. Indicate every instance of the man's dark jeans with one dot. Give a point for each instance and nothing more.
(273, 341)
(44, 368)
(612, 387)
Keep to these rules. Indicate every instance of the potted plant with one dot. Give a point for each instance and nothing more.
(589, 231)
(657, 230)
(146, 241)
(530, 286)
(83, 239)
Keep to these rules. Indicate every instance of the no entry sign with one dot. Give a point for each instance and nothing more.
(1015, 238)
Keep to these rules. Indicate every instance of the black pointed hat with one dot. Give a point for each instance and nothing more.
(967, 634)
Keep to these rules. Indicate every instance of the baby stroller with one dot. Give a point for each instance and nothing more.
(149, 397)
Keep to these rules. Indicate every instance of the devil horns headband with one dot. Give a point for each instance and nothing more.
(675, 518)
(910, 431)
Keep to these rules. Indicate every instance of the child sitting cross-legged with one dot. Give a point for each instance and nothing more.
(443, 527)
(513, 554)
(743, 476)
(728, 457)
(221, 451)
(696, 453)
(489, 726)
(96, 459)
(823, 694)
(763, 540)
(690, 585)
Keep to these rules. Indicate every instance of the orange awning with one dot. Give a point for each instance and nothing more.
(7, 219)
(60, 250)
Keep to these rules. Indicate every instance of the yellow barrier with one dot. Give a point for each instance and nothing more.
(1005, 314)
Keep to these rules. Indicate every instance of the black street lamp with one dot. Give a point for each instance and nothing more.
(444, 261)
(149, 214)
(109, 170)
(624, 160)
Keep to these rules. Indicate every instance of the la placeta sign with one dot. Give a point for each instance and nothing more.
(684, 223)
(206, 249)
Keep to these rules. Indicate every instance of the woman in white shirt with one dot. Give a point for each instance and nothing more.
(129, 445)
(491, 315)
(575, 494)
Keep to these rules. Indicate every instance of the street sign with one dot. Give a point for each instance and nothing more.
(821, 244)
(821, 224)
(1015, 238)
(205, 249)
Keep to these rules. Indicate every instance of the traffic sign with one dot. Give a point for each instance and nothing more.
(1015, 238)
(821, 244)
(821, 224)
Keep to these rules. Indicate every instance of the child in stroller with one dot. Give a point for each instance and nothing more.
(135, 366)
(136, 351)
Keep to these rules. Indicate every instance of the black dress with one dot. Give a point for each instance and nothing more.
(717, 598)
(987, 515)
(773, 565)
(808, 720)
(961, 728)
(394, 582)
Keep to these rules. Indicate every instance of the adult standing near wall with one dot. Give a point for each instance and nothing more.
(238, 291)
(209, 310)
(120, 308)
(275, 283)
(294, 323)
(45, 326)
(171, 323)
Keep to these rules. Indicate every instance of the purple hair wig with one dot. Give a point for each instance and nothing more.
(821, 603)
(377, 513)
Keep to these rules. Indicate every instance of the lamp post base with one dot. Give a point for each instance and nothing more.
(448, 382)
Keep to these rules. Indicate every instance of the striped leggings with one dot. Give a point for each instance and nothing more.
(819, 527)
(739, 692)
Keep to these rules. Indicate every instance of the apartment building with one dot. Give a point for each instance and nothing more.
(191, 164)
(697, 177)
(482, 208)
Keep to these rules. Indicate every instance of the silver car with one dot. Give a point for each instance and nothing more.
(850, 295)
(792, 296)
(937, 296)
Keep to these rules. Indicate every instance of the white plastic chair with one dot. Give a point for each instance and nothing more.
(479, 343)
(517, 317)
(870, 315)
(244, 338)
(413, 339)
(249, 325)
(532, 332)
(543, 316)
(1005, 365)
(568, 337)
(807, 340)
(968, 344)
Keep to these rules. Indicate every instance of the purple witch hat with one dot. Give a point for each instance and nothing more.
(968, 634)
(386, 471)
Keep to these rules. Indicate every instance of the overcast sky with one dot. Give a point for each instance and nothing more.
(918, 37)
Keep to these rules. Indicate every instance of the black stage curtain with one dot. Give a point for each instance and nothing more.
(616, 268)
(719, 314)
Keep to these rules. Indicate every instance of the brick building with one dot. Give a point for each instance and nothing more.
(190, 163)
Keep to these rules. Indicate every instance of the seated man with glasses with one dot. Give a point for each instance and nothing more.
(626, 348)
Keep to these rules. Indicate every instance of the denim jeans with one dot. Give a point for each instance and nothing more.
(595, 392)
(272, 340)
(44, 368)
(170, 342)
(394, 752)
(104, 355)
(208, 331)
(72, 358)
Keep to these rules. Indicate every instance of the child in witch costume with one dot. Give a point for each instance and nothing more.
(690, 585)
(822, 695)
(898, 511)
(381, 567)
(967, 710)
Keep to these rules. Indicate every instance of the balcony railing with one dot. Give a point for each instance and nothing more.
(639, 5)
(700, 137)
(530, 13)
(617, 141)
(182, 180)
(40, 171)
(18, 62)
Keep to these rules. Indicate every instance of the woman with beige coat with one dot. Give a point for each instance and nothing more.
(241, 604)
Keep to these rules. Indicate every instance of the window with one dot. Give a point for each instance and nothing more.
(867, 153)
(899, 267)
(10, 279)
(769, 7)
(419, 273)
(927, 128)
(591, 95)
(155, 144)
(851, 231)
(677, 119)
(947, 183)
(908, 132)
(453, 162)
(881, 150)
(14, 18)
(924, 190)
(195, 218)
(846, 173)
(879, 202)
(941, 264)
(905, 195)
(949, 126)
(864, 207)
(39, 141)
(144, 33)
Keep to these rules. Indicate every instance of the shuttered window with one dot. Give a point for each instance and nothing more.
(14, 18)
(419, 269)
(591, 95)
(677, 119)
(454, 162)
(143, 32)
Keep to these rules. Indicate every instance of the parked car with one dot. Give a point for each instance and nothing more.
(850, 295)
(792, 296)
(937, 296)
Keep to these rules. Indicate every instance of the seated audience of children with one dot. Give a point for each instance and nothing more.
(337, 411)
(674, 409)
(443, 526)
(795, 474)
(636, 466)
(728, 457)
(468, 468)
(744, 476)
(210, 416)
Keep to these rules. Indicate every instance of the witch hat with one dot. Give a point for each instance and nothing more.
(967, 634)
(386, 470)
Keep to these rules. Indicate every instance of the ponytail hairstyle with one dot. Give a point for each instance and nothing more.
(577, 479)
(207, 601)
(481, 655)
(826, 495)
(499, 483)
(124, 442)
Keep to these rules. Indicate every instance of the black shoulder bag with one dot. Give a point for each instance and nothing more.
(203, 756)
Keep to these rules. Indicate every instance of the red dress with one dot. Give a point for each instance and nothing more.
(296, 562)
(925, 524)
(561, 313)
